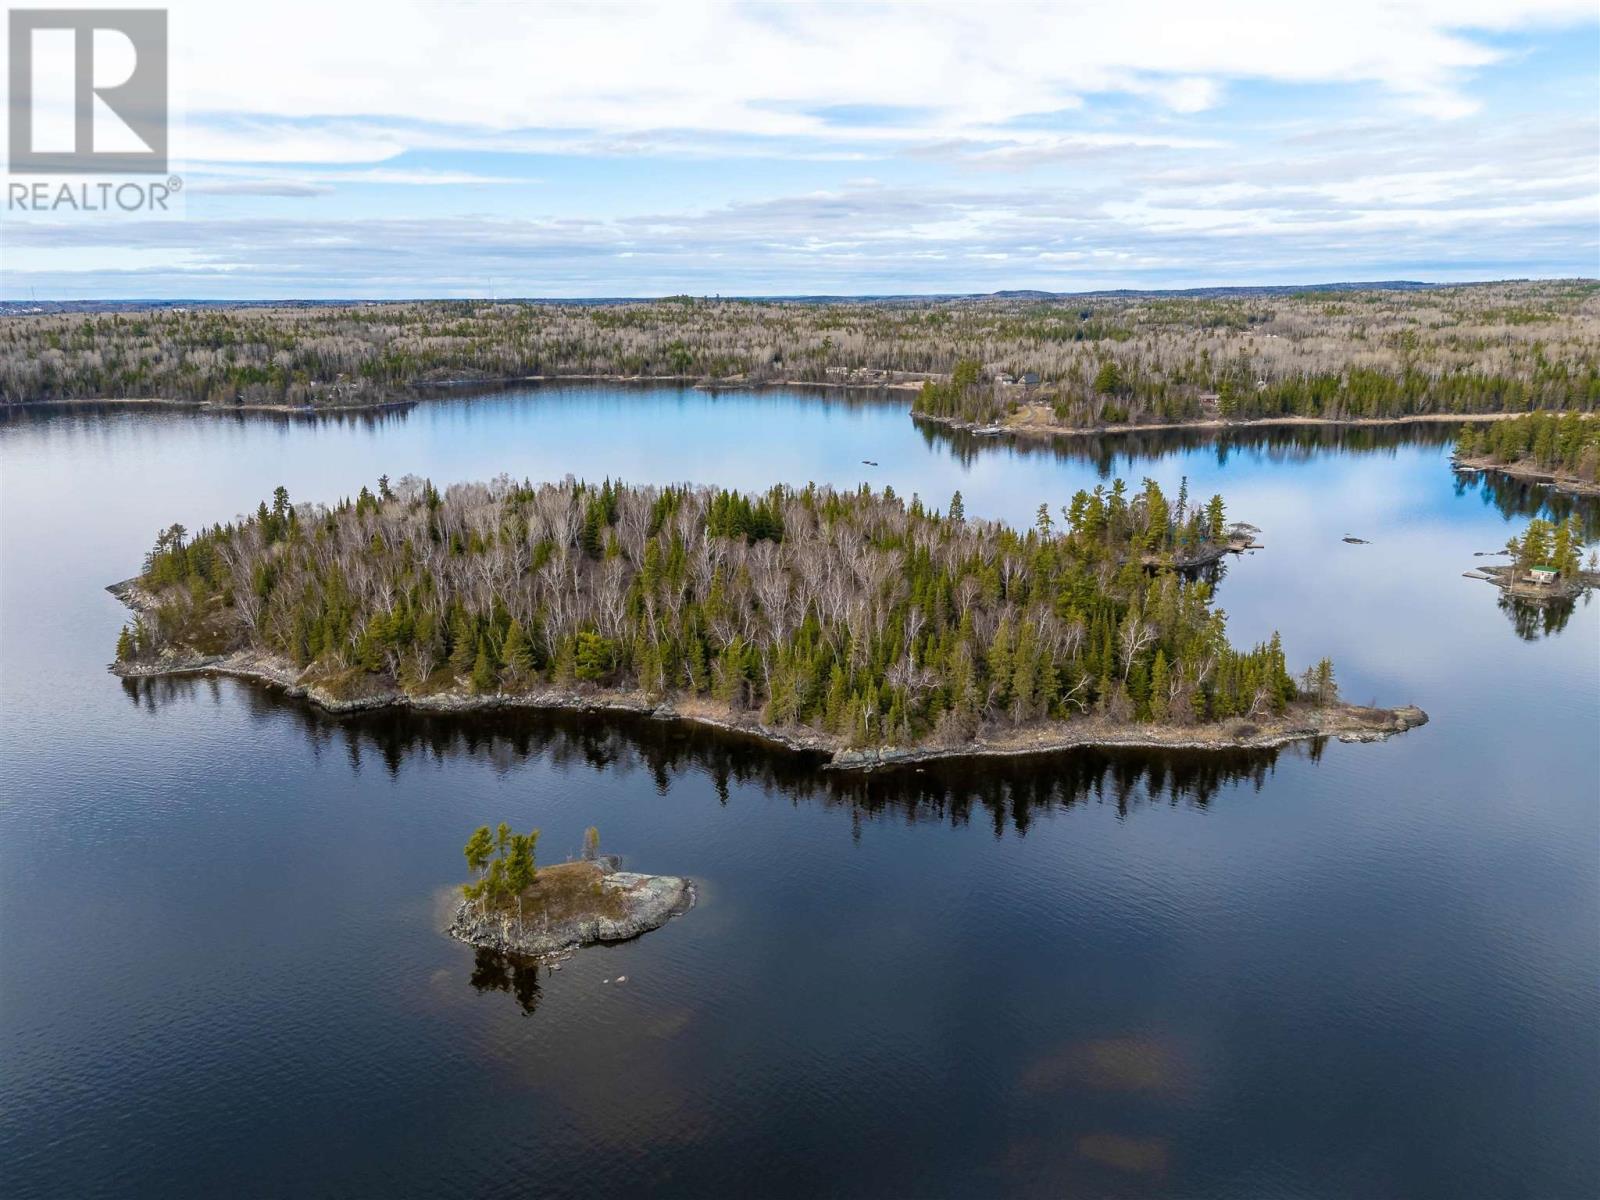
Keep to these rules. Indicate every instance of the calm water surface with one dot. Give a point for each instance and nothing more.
(1359, 971)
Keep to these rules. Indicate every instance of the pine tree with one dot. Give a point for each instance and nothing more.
(1216, 519)
(1572, 562)
(516, 654)
(483, 672)
(477, 850)
(463, 642)
(1108, 379)
(593, 657)
(1562, 555)
(1325, 687)
(1535, 544)
(521, 868)
(1160, 685)
(834, 712)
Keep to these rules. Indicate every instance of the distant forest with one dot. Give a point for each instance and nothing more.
(861, 614)
(1085, 361)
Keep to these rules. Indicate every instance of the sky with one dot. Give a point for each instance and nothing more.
(346, 150)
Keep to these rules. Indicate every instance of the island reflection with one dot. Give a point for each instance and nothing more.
(1512, 498)
(1533, 620)
(1109, 453)
(496, 972)
(1280, 443)
(999, 791)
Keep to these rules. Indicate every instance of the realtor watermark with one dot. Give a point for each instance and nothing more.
(91, 196)
(89, 97)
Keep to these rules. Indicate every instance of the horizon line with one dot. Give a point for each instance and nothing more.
(800, 297)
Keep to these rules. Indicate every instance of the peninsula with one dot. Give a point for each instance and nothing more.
(862, 625)
(1562, 449)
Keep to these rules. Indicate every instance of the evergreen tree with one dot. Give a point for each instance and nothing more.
(1160, 685)
(1216, 519)
(483, 672)
(1108, 379)
(516, 653)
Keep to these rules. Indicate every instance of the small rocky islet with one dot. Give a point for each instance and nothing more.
(568, 906)
(1546, 564)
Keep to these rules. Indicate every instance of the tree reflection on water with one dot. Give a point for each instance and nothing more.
(496, 972)
(1003, 792)
(1538, 619)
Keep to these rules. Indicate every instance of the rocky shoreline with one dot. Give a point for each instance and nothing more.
(1523, 470)
(1028, 423)
(1242, 538)
(641, 903)
(1348, 723)
(1505, 578)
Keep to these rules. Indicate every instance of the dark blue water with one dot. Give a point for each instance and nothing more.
(1335, 972)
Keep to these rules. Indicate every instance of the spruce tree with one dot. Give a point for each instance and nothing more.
(516, 655)
(1160, 684)
(483, 672)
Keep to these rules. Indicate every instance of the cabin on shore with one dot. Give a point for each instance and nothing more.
(1543, 575)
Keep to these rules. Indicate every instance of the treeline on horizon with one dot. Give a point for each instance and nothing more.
(861, 614)
(1567, 446)
(1097, 359)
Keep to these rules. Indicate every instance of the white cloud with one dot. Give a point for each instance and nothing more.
(924, 71)
(872, 239)
(297, 189)
(409, 177)
(1028, 145)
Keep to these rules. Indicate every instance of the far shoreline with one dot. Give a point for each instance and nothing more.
(426, 392)
(1041, 430)
(463, 389)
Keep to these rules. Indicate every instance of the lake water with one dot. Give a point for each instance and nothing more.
(1348, 971)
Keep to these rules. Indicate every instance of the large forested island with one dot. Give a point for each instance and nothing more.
(858, 623)
(1037, 361)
